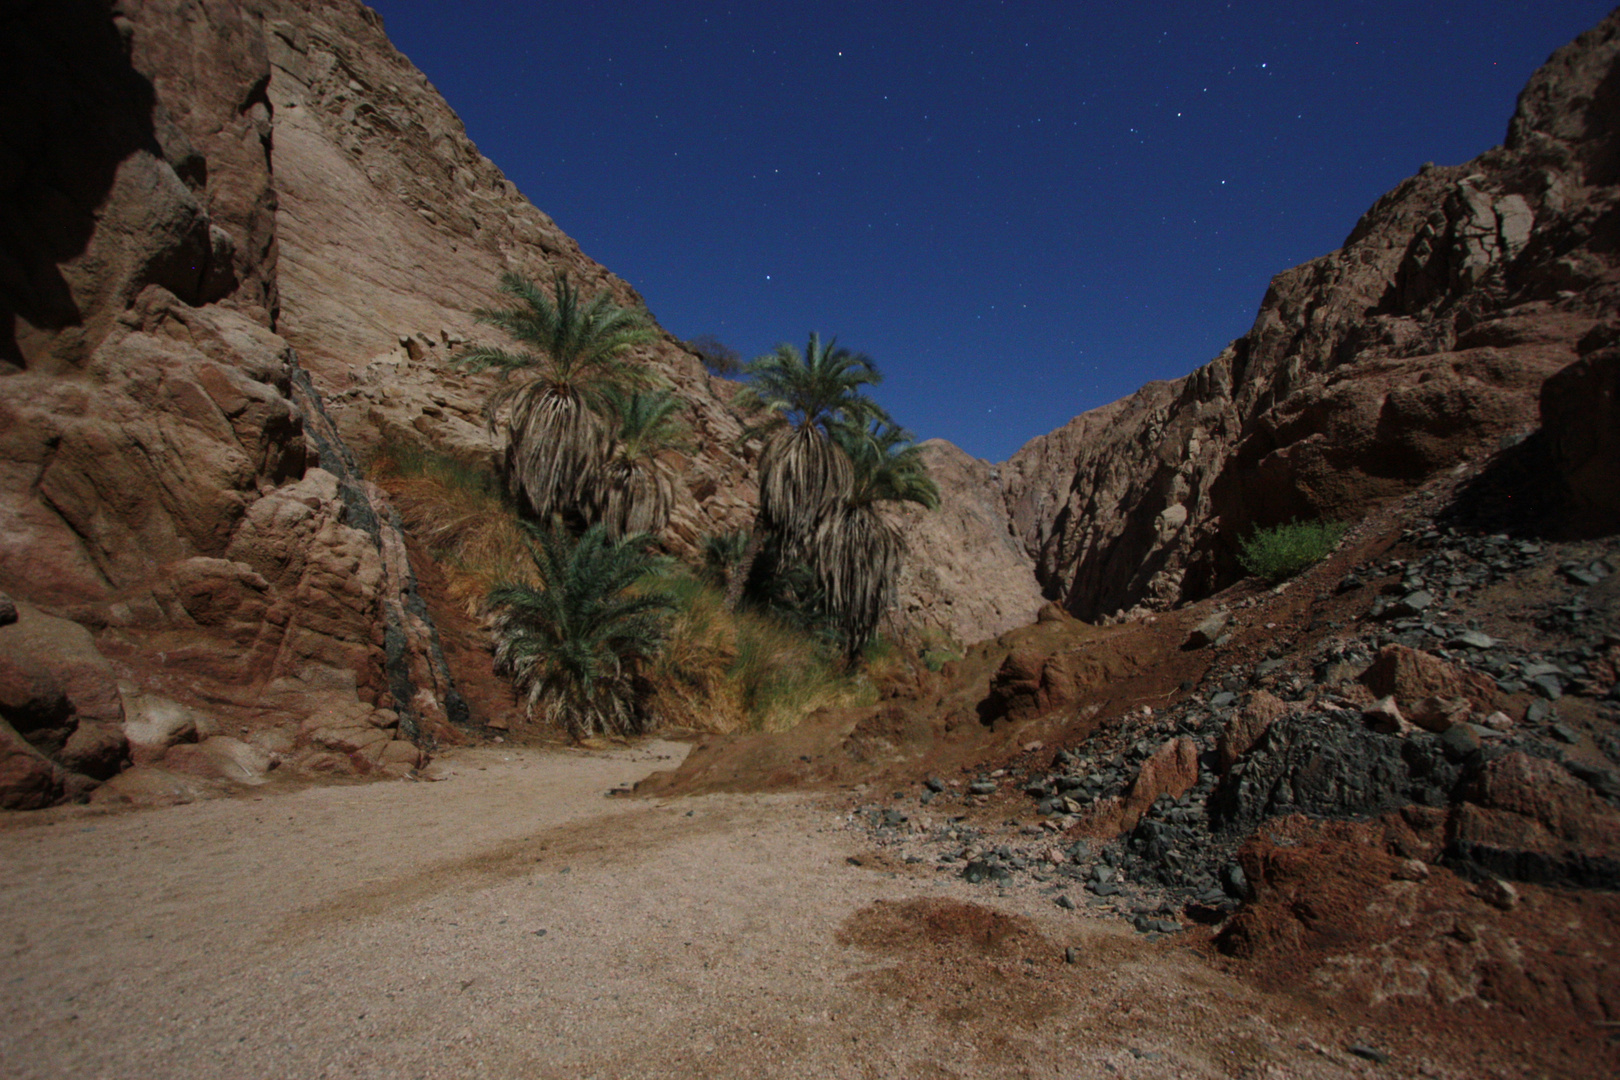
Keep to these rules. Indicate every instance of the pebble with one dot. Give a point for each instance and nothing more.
(1361, 1051)
(1475, 639)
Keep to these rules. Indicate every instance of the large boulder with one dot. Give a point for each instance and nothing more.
(1580, 412)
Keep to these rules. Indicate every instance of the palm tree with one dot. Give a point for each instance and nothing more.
(637, 491)
(556, 443)
(803, 473)
(857, 551)
(575, 644)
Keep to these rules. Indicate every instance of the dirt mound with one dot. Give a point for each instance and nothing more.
(1337, 916)
(909, 926)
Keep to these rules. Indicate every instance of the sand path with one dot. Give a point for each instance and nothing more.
(513, 922)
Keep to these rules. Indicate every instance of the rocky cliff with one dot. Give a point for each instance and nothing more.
(392, 228)
(237, 241)
(1421, 342)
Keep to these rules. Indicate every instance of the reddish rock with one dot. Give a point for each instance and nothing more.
(1019, 689)
(1171, 770)
(28, 779)
(1244, 728)
(1528, 819)
(1412, 676)
(1333, 913)
(220, 757)
(1580, 411)
(149, 786)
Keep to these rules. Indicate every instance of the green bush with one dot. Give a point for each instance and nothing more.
(1279, 553)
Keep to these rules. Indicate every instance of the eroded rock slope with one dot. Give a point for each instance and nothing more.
(1422, 341)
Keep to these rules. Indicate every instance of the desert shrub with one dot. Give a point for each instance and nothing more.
(1282, 551)
(720, 358)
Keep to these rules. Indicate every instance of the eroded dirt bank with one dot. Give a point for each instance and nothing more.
(511, 921)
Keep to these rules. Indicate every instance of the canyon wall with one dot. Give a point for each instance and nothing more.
(1420, 343)
(238, 241)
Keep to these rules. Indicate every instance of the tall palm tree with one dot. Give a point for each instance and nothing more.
(803, 473)
(575, 644)
(856, 551)
(556, 442)
(637, 491)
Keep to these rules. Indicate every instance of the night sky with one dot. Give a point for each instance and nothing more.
(1020, 211)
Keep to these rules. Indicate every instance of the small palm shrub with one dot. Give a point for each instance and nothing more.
(1279, 553)
(577, 644)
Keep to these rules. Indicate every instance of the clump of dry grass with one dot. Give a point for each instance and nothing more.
(459, 512)
(727, 671)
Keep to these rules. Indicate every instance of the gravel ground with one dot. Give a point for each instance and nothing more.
(510, 921)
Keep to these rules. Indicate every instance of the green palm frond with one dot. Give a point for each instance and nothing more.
(888, 466)
(820, 387)
(647, 421)
(575, 644)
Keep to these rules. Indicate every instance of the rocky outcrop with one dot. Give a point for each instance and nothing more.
(179, 521)
(1421, 342)
(1580, 412)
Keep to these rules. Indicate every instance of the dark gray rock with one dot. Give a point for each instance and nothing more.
(1305, 763)
(1208, 631)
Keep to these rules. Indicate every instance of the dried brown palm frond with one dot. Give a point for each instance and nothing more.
(636, 491)
(636, 497)
(555, 449)
(803, 475)
(856, 556)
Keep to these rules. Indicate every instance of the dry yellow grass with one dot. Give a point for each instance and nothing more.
(723, 671)
(457, 511)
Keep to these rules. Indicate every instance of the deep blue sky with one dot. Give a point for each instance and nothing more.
(1020, 211)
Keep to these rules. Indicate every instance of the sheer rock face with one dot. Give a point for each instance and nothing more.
(1419, 344)
(393, 228)
(965, 575)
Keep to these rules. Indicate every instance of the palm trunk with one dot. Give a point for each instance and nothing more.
(738, 577)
